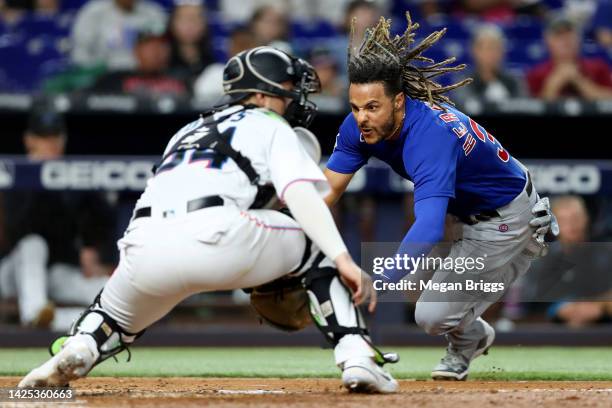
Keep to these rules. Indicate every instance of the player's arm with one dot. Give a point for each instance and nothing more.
(301, 185)
(310, 211)
(337, 183)
(346, 158)
(434, 186)
(427, 231)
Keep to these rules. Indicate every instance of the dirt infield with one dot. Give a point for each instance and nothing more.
(269, 392)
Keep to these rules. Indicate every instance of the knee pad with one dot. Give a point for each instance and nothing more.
(333, 311)
(331, 305)
(110, 338)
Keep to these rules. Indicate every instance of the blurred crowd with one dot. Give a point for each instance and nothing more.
(546, 49)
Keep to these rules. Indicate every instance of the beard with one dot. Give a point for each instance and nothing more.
(388, 129)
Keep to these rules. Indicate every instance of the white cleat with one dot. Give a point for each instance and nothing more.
(74, 361)
(363, 375)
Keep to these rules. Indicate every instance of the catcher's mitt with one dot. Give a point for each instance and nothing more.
(282, 303)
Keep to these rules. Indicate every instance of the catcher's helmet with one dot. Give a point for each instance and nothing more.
(264, 69)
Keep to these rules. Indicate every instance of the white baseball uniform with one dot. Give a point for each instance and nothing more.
(172, 254)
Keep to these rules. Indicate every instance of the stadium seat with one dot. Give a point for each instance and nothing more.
(20, 72)
(312, 29)
(591, 49)
(526, 53)
(524, 28)
(35, 25)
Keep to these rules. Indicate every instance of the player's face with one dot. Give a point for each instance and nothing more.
(377, 114)
(44, 148)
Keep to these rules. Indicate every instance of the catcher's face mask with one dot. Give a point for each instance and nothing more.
(264, 69)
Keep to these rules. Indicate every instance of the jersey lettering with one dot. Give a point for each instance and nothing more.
(501, 153)
(469, 144)
(209, 157)
(460, 131)
(449, 117)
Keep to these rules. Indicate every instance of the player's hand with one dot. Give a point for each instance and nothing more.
(357, 280)
(544, 222)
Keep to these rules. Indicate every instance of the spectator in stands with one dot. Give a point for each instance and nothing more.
(60, 245)
(365, 14)
(189, 42)
(491, 82)
(428, 10)
(105, 31)
(327, 68)
(208, 88)
(331, 11)
(12, 11)
(500, 11)
(151, 77)
(602, 24)
(576, 272)
(270, 26)
(566, 73)
(488, 10)
(47, 7)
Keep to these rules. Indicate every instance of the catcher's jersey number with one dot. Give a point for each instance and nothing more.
(208, 158)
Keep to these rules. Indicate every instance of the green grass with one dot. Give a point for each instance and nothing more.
(503, 363)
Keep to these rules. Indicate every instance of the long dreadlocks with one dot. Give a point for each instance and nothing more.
(390, 61)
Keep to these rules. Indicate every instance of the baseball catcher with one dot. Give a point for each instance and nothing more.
(204, 223)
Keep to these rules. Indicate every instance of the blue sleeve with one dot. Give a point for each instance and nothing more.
(347, 157)
(427, 231)
(431, 162)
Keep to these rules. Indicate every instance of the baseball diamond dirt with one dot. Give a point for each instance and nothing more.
(274, 392)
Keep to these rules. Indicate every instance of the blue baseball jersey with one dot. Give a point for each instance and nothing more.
(444, 153)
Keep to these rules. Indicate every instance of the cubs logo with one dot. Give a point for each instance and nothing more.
(503, 228)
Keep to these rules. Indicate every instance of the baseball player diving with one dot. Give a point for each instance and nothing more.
(403, 118)
(202, 224)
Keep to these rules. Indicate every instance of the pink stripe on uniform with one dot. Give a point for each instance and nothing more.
(259, 223)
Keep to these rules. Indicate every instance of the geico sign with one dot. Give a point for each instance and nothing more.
(563, 179)
(92, 175)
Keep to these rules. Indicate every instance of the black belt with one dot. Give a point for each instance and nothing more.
(488, 214)
(192, 205)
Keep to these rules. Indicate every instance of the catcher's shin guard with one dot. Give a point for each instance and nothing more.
(332, 309)
(109, 337)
